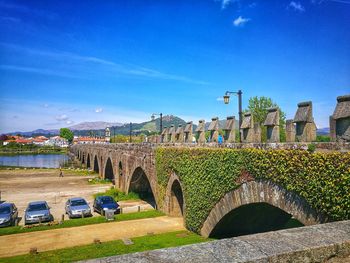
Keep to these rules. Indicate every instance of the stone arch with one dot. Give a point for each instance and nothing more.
(108, 171)
(141, 184)
(83, 158)
(120, 174)
(88, 164)
(96, 165)
(175, 201)
(261, 192)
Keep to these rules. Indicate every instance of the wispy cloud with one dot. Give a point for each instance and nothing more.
(24, 9)
(240, 21)
(37, 71)
(98, 110)
(10, 19)
(296, 6)
(109, 65)
(336, 1)
(62, 117)
(219, 99)
(225, 3)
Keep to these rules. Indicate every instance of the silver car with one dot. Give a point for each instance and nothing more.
(37, 212)
(77, 207)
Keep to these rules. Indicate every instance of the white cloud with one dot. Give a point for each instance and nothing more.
(240, 21)
(46, 105)
(296, 6)
(98, 110)
(107, 66)
(62, 117)
(225, 3)
(69, 122)
(220, 99)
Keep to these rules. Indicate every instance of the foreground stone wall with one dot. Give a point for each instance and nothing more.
(318, 243)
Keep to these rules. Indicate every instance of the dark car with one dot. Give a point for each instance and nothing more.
(77, 207)
(37, 212)
(8, 214)
(103, 203)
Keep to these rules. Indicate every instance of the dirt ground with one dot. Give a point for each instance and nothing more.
(24, 186)
(83, 235)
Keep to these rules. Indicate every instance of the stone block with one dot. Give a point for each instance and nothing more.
(188, 132)
(290, 131)
(179, 134)
(305, 125)
(341, 116)
(230, 129)
(172, 133)
(332, 129)
(272, 125)
(201, 131)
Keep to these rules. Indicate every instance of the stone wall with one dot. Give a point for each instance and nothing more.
(320, 243)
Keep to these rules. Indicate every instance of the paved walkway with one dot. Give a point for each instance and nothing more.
(18, 244)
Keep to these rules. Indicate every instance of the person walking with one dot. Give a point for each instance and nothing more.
(61, 173)
(220, 139)
(193, 139)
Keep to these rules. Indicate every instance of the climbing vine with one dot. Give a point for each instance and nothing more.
(322, 179)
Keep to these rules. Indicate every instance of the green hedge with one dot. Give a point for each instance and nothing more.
(323, 179)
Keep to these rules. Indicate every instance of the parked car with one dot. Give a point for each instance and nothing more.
(8, 214)
(77, 207)
(103, 203)
(37, 212)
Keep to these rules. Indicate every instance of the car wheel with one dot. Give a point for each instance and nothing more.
(102, 213)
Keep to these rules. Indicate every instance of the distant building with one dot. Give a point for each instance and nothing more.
(57, 141)
(88, 140)
(40, 140)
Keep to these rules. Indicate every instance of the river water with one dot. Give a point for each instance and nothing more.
(35, 160)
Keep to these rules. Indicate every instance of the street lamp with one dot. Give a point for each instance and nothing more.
(227, 101)
(153, 117)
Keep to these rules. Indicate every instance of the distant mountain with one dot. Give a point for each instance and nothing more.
(323, 131)
(148, 126)
(37, 132)
(95, 125)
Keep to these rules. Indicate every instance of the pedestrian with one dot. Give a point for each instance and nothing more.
(220, 139)
(193, 139)
(61, 173)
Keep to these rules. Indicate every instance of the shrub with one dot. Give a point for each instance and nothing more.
(322, 179)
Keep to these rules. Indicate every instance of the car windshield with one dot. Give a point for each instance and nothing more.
(5, 210)
(78, 202)
(37, 207)
(107, 200)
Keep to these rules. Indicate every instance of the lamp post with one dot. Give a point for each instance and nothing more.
(227, 101)
(153, 116)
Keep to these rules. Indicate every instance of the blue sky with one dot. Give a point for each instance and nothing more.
(66, 62)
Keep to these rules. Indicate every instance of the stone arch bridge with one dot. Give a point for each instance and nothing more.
(132, 167)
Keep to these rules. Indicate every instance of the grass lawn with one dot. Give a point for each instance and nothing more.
(81, 222)
(111, 248)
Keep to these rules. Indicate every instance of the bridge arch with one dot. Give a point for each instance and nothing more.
(96, 166)
(260, 192)
(141, 184)
(120, 175)
(83, 158)
(175, 201)
(109, 173)
(88, 164)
